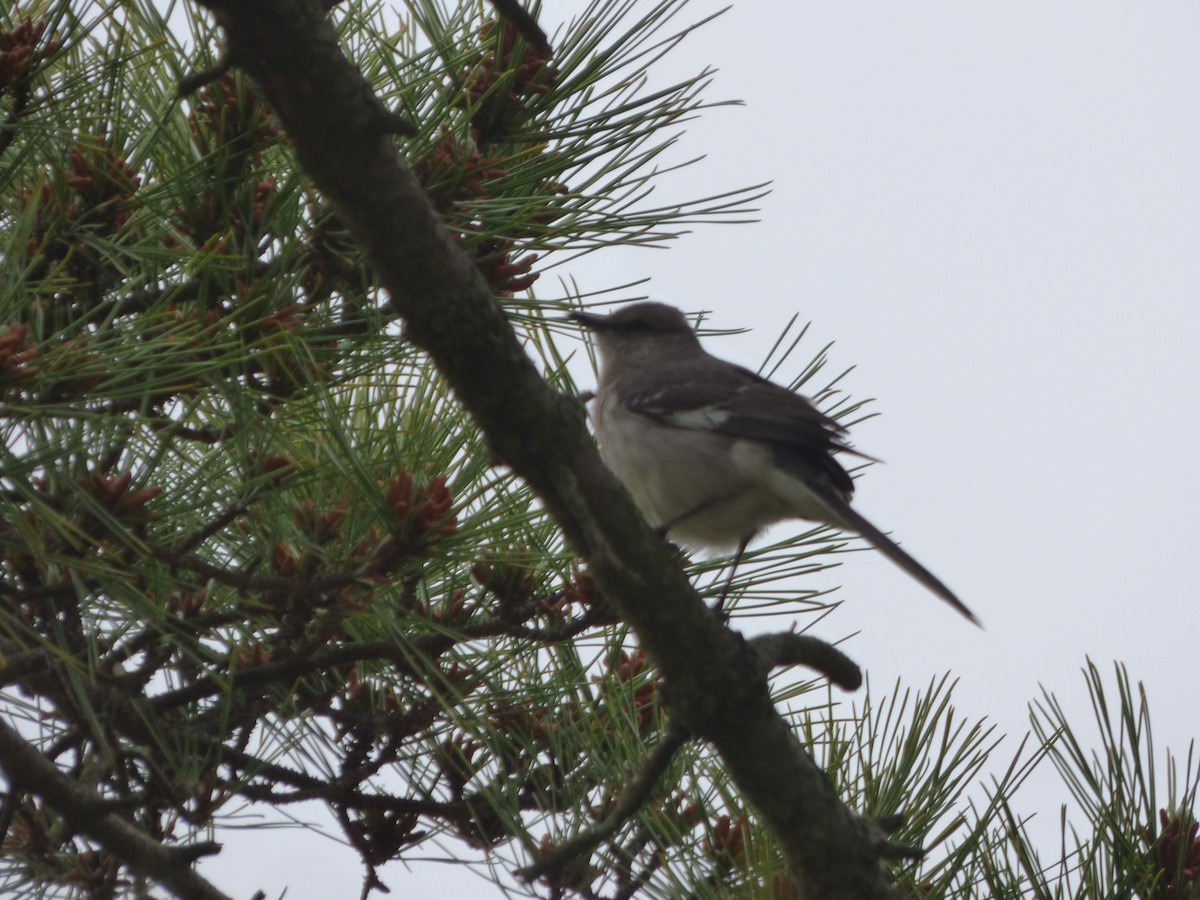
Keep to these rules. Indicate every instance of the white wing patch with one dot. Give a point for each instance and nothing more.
(704, 418)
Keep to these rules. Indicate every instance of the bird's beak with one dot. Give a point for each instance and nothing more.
(588, 320)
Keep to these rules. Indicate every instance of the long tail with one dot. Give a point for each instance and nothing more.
(846, 515)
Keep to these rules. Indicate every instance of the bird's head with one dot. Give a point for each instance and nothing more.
(638, 331)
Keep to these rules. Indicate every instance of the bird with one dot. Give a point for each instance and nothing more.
(711, 452)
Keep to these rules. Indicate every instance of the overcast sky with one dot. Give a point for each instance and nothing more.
(994, 210)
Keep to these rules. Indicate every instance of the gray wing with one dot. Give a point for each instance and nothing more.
(734, 401)
(711, 395)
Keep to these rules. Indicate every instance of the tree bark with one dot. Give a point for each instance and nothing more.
(344, 139)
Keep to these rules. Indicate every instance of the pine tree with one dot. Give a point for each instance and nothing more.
(289, 516)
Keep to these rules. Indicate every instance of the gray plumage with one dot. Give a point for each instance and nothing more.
(712, 452)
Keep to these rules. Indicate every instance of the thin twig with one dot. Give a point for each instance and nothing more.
(245, 581)
(225, 676)
(790, 649)
(23, 664)
(525, 23)
(631, 802)
(192, 83)
(198, 537)
(27, 770)
(20, 108)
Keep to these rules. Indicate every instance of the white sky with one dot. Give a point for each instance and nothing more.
(994, 210)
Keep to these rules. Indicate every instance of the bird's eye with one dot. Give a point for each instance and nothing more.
(637, 323)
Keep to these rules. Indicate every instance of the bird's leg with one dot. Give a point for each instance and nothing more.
(737, 558)
(715, 500)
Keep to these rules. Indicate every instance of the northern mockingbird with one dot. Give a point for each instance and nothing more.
(711, 452)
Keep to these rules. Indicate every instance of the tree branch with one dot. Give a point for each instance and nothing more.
(525, 23)
(718, 691)
(27, 770)
(789, 649)
(632, 800)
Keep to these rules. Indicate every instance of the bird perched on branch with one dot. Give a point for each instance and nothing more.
(711, 452)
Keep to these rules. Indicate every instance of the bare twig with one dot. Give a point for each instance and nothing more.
(27, 770)
(790, 649)
(203, 78)
(631, 802)
(22, 664)
(525, 23)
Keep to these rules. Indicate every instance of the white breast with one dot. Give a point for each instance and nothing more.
(671, 472)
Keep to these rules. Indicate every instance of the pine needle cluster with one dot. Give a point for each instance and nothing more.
(255, 556)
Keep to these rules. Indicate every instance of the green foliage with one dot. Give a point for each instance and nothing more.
(1135, 840)
(251, 551)
(254, 555)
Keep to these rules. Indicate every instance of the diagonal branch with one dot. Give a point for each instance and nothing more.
(717, 687)
(29, 771)
(631, 803)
